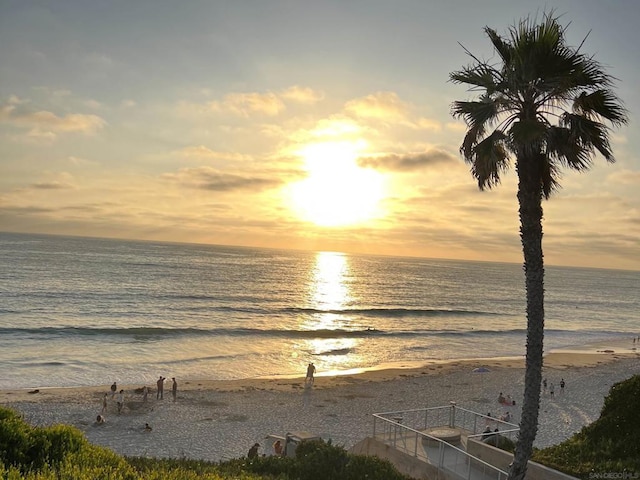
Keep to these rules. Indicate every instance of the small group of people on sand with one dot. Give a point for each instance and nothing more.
(160, 389)
(119, 398)
(278, 449)
(551, 387)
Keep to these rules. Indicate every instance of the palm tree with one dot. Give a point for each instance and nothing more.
(546, 105)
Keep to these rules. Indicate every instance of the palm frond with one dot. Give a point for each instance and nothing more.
(481, 76)
(504, 49)
(490, 159)
(481, 112)
(588, 134)
(548, 177)
(603, 103)
(472, 137)
(560, 146)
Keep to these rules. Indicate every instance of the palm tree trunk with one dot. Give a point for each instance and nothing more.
(530, 201)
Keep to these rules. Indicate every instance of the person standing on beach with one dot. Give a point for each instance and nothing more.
(120, 401)
(160, 385)
(145, 393)
(104, 403)
(551, 388)
(562, 384)
(174, 388)
(114, 387)
(311, 369)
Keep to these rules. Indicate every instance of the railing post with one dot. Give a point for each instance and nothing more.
(395, 434)
(452, 414)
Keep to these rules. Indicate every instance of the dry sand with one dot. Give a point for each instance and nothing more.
(216, 420)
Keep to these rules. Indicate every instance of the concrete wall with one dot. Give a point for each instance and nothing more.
(405, 463)
(502, 459)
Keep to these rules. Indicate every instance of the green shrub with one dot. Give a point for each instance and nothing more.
(62, 440)
(317, 459)
(371, 468)
(21, 445)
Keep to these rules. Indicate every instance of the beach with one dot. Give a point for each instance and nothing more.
(218, 420)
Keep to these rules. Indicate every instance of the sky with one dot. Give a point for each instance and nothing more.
(319, 125)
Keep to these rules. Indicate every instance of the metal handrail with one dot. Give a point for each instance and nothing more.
(452, 420)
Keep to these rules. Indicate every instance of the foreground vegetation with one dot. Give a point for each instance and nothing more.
(63, 452)
(610, 444)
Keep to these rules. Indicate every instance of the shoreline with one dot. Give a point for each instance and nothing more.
(589, 355)
(219, 419)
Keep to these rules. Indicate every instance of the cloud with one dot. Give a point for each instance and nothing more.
(456, 126)
(624, 177)
(379, 105)
(93, 104)
(200, 152)
(53, 185)
(408, 162)
(304, 95)
(206, 178)
(47, 124)
(428, 124)
(73, 122)
(244, 104)
(15, 100)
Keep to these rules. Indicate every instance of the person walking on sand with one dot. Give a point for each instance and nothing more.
(551, 389)
(104, 403)
(311, 370)
(145, 393)
(114, 387)
(562, 384)
(160, 391)
(174, 388)
(120, 401)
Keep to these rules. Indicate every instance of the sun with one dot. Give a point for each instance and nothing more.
(337, 192)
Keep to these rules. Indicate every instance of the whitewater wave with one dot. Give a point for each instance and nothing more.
(160, 332)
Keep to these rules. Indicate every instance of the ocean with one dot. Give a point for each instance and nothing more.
(85, 311)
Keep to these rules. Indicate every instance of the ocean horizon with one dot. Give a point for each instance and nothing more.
(82, 311)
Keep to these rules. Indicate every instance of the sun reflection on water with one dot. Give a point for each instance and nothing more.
(329, 296)
(329, 290)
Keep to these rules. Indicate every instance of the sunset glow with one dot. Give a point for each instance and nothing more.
(259, 126)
